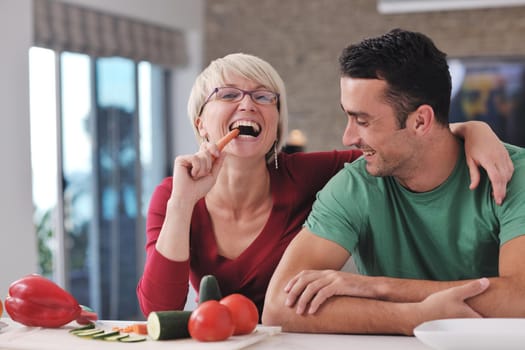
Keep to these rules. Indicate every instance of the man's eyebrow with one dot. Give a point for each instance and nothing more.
(355, 114)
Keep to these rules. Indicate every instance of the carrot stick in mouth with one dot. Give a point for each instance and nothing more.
(227, 138)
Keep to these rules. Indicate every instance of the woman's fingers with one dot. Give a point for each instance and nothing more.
(474, 173)
(499, 177)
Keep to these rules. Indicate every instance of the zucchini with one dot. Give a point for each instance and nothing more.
(81, 329)
(106, 335)
(89, 332)
(115, 337)
(164, 325)
(209, 289)
(133, 339)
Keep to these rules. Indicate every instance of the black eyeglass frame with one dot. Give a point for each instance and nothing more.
(244, 93)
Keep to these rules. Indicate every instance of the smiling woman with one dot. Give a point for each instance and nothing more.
(232, 213)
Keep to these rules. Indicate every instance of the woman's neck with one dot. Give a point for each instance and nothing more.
(240, 186)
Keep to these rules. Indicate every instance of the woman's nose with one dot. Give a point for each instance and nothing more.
(246, 103)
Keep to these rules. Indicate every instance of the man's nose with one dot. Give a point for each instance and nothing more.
(351, 135)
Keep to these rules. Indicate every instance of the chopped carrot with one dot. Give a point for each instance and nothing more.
(138, 328)
(227, 138)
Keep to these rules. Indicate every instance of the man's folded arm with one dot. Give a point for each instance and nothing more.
(345, 314)
(402, 306)
(338, 314)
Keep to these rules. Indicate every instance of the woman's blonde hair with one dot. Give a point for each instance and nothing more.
(246, 66)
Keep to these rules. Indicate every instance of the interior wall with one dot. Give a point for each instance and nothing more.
(17, 235)
(303, 39)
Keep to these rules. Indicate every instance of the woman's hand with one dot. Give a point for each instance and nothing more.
(483, 148)
(450, 303)
(195, 174)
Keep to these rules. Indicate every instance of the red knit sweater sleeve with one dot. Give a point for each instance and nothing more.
(164, 283)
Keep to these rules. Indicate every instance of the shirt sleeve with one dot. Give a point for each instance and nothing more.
(164, 283)
(330, 218)
(314, 169)
(512, 211)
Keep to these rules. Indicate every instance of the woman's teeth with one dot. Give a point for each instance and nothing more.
(246, 127)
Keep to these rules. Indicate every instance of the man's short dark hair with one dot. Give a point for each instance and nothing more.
(415, 71)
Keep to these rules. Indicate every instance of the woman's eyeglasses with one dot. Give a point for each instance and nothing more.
(232, 94)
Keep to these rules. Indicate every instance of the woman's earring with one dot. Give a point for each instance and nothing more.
(275, 155)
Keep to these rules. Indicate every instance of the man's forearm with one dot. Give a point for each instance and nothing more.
(348, 315)
(409, 290)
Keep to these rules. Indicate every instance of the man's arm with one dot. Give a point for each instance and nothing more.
(309, 289)
(345, 314)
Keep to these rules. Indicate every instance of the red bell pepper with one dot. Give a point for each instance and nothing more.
(36, 301)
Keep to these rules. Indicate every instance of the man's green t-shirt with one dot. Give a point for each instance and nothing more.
(449, 233)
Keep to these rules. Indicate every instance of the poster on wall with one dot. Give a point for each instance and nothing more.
(491, 90)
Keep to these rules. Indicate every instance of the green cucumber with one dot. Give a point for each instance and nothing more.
(89, 332)
(209, 289)
(164, 325)
(116, 337)
(133, 339)
(106, 335)
(83, 328)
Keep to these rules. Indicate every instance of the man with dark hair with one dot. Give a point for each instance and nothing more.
(426, 246)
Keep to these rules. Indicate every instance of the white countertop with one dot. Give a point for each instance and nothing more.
(16, 336)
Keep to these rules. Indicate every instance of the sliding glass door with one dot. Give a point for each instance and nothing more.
(111, 148)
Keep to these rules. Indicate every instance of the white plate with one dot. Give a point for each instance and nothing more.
(473, 333)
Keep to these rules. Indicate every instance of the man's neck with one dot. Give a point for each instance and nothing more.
(437, 161)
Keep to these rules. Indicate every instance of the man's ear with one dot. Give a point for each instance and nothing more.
(200, 127)
(423, 119)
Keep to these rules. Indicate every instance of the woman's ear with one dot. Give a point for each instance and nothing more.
(200, 127)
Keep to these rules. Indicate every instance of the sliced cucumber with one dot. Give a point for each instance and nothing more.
(90, 332)
(209, 289)
(83, 328)
(133, 339)
(116, 337)
(164, 325)
(106, 334)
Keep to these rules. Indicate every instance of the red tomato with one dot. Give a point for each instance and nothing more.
(244, 312)
(211, 321)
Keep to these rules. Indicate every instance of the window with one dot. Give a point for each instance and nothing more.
(98, 139)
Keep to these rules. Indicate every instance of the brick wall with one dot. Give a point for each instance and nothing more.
(303, 39)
